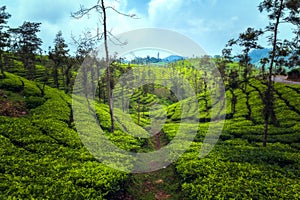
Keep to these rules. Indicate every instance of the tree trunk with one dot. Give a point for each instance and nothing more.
(1, 67)
(205, 95)
(93, 81)
(68, 75)
(138, 108)
(55, 76)
(269, 93)
(233, 101)
(123, 109)
(63, 76)
(108, 77)
(265, 133)
(99, 89)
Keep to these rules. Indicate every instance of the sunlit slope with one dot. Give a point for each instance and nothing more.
(42, 154)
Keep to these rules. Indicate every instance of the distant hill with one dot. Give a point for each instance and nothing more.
(169, 59)
(172, 58)
(258, 54)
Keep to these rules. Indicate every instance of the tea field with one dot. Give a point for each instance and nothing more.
(42, 155)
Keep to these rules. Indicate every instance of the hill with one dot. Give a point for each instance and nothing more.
(41, 152)
(152, 60)
(172, 58)
(42, 155)
(258, 54)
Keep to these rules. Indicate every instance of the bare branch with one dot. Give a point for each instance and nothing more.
(118, 41)
(86, 42)
(101, 9)
(124, 14)
(84, 11)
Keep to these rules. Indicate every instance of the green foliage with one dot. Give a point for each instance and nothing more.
(238, 167)
(33, 102)
(237, 170)
(42, 157)
(11, 85)
(19, 85)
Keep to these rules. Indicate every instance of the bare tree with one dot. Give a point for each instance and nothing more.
(101, 9)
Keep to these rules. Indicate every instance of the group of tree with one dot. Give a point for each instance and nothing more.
(23, 44)
(4, 36)
(284, 52)
(101, 9)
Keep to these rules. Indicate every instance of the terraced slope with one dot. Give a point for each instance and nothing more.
(41, 153)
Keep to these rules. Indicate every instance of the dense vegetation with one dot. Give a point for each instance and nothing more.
(42, 151)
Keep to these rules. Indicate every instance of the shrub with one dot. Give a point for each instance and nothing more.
(31, 90)
(33, 102)
(11, 85)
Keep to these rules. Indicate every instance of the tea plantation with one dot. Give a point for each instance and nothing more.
(41, 153)
(42, 156)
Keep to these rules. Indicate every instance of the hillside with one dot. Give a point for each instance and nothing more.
(42, 155)
(93, 106)
(258, 54)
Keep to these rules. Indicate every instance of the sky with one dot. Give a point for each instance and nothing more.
(210, 23)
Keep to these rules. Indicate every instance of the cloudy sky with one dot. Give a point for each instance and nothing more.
(210, 23)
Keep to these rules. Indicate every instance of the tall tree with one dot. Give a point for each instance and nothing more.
(248, 41)
(59, 55)
(85, 43)
(205, 63)
(294, 58)
(277, 13)
(101, 9)
(221, 64)
(27, 44)
(282, 52)
(68, 74)
(263, 62)
(233, 84)
(4, 36)
(233, 76)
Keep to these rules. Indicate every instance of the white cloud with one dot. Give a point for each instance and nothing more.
(164, 12)
(209, 22)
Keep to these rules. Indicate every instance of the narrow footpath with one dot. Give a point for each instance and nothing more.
(158, 185)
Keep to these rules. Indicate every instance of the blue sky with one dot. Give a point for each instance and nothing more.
(210, 23)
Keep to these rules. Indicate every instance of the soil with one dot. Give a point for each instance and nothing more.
(12, 109)
(157, 141)
(156, 185)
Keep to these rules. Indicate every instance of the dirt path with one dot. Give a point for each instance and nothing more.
(163, 184)
(283, 79)
(157, 141)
